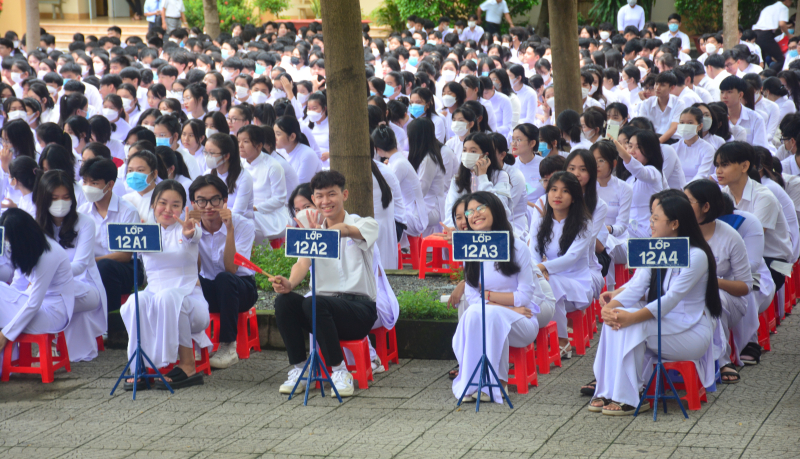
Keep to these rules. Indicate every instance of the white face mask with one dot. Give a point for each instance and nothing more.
(98, 68)
(710, 48)
(448, 75)
(110, 114)
(448, 100)
(53, 91)
(60, 208)
(314, 117)
(631, 3)
(551, 102)
(707, 120)
(212, 162)
(75, 141)
(614, 123)
(588, 134)
(126, 149)
(210, 132)
(302, 98)
(212, 106)
(93, 194)
(686, 131)
(594, 88)
(127, 103)
(16, 77)
(149, 127)
(376, 52)
(585, 93)
(226, 74)
(241, 92)
(31, 118)
(471, 24)
(40, 74)
(258, 97)
(17, 115)
(460, 128)
(604, 35)
(175, 95)
(469, 159)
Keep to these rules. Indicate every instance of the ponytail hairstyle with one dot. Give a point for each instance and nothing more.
(383, 137)
(396, 111)
(721, 127)
(577, 220)
(472, 269)
(229, 146)
(519, 72)
(422, 142)
(464, 175)
(550, 134)
(52, 133)
(198, 92)
(69, 106)
(705, 192)
(265, 114)
(480, 112)
(590, 191)
(570, 124)
(131, 92)
(386, 191)
(59, 158)
(153, 162)
(469, 116)
(676, 206)
(100, 128)
(116, 101)
(769, 166)
(80, 127)
(374, 117)
(24, 170)
(171, 159)
(219, 122)
(43, 197)
(40, 89)
(290, 125)
(501, 146)
(427, 97)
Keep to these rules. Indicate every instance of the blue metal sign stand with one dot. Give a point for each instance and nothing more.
(136, 231)
(313, 243)
(480, 247)
(659, 246)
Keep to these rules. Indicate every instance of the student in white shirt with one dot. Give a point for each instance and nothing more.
(41, 298)
(346, 307)
(143, 171)
(509, 290)
(695, 154)
(425, 156)
(517, 202)
(193, 136)
(664, 109)
(167, 130)
(57, 157)
(229, 289)
(223, 160)
(195, 100)
(528, 99)
(465, 121)
(690, 306)
(712, 125)
(733, 268)
(75, 232)
(591, 93)
(173, 163)
(767, 109)
(773, 180)
(735, 162)
(173, 302)
(474, 89)
(732, 91)
(630, 15)
(643, 160)
(269, 182)
(289, 141)
(114, 111)
(501, 102)
(674, 23)
(770, 20)
(773, 90)
(423, 106)
(472, 32)
(22, 175)
(318, 122)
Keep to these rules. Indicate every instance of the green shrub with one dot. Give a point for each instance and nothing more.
(706, 16)
(233, 11)
(424, 304)
(274, 262)
(393, 13)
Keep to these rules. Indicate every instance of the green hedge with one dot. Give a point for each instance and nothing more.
(424, 304)
(274, 262)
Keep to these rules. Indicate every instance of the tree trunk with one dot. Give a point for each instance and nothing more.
(31, 25)
(730, 23)
(211, 18)
(544, 15)
(566, 60)
(347, 101)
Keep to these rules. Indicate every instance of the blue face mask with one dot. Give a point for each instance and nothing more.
(137, 181)
(793, 53)
(372, 93)
(412, 61)
(260, 69)
(418, 42)
(416, 110)
(182, 45)
(486, 74)
(388, 92)
(544, 149)
(673, 27)
(162, 142)
(791, 31)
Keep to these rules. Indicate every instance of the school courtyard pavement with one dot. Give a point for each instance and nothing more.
(408, 411)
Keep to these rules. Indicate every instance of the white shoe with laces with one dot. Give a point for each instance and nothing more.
(343, 381)
(225, 356)
(288, 385)
(377, 366)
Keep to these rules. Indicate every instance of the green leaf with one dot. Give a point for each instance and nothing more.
(424, 304)
(274, 262)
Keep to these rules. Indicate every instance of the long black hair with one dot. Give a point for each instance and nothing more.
(43, 197)
(464, 176)
(705, 192)
(676, 206)
(472, 269)
(590, 191)
(26, 238)
(386, 190)
(228, 146)
(577, 219)
(422, 142)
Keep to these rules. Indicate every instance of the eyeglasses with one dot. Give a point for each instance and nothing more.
(236, 120)
(202, 202)
(513, 141)
(480, 209)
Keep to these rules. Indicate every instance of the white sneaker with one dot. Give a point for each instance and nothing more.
(343, 381)
(294, 375)
(226, 356)
(377, 366)
(470, 398)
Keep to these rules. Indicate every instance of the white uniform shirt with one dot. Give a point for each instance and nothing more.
(617, 196)
(645, 181)
(755, 128)
(671, 171)
(289, 174)
(321, 135)
(696, 160)
(789, 211)
(771, 16)
(667, 36)
(397, 193)
(770, 113)
(529, 104)
(628, 16)
(502, 111)
(305, 162)
(119, 211)
(662, 119)
(758, 200)
(212, 247)
(494, 10)
(352, 273)
(241, 201)
(471, 34)
(142, 205)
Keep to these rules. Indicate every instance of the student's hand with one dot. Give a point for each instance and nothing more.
(455, 296)
(188, 224)
(324, 156)
(539, 208)
(287, 87)
(622, 319)
(446, 234)
(522, 310)
(609, 317)
(281, 284)
(313, 218)
(227, 218)
(315, 85)
(7, 204)
(606, 298)
(6, 155)
(544, 271)
(482, 166)
(3, 341)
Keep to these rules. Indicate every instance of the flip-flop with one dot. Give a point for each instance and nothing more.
(625, 409)
(179, 380)
(598, 409)
(453, 373)
(128, 386)
(589, 388)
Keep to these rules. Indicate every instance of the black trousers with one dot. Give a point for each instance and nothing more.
(769, 47)
(491, 27)
(229, 294)
(118, 280)
(779, 278)
(337, 319)
(136, 6)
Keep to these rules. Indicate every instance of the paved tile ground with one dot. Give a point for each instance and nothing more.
(408, 412)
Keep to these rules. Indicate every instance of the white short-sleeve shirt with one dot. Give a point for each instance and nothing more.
(494, 10)
(770, 17)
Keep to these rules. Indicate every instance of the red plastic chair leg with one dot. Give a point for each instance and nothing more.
(386, 346)
(547, 348)
(363, 366)
(247, 334)
(101, 346)
(524, 371)
(580, 331)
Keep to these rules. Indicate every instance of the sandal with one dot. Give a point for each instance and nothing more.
(598, 409)
(566, 351)
(453, 373)
(588, 389)
(625, 409)
(179, 380)
(128, 386)
(752, 350)
(733, 376)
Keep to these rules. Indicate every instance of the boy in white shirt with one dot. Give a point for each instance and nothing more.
(664, 110)
(674, 23)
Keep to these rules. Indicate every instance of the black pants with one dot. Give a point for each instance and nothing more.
(136, 6)
(118, 280)
(777, 277)
(337, 319)
(491, 27)
(769, 47)
(229, 294)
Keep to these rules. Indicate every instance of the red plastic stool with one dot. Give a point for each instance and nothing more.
(48, 363)
(201, 366)
(621, 275)
(246, 332)
(277, 243)
(524, 371)
(101, 346)
(695, 392)
(124, 299)
(412, 257)
(772, 316)
(547, 337)
(386, 346)
(763, 330)
(580, 331)
(788, 295)
(437, 262)
(363, 366)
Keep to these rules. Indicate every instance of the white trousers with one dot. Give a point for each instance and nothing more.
(82, 344)
(733, 310)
